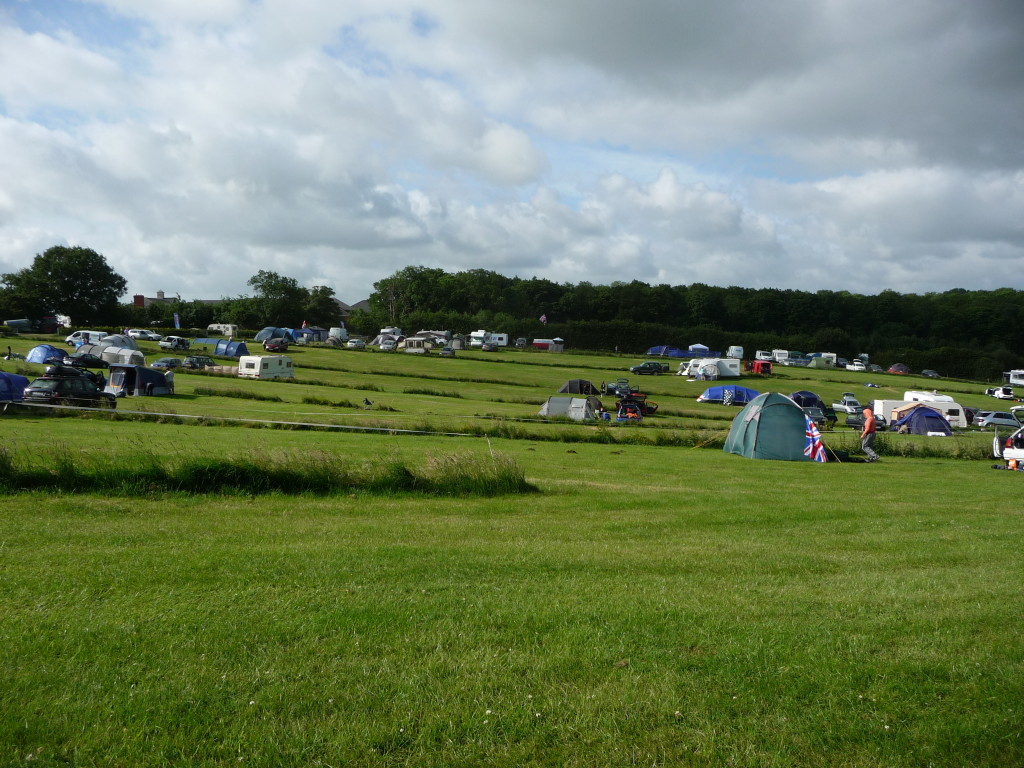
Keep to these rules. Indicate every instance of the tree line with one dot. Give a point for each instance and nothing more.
(976, 334)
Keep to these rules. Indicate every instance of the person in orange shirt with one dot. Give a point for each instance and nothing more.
(867, 435)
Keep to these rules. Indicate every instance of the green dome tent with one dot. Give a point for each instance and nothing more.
(772, 426)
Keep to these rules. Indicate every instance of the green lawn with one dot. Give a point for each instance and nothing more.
(650, 606)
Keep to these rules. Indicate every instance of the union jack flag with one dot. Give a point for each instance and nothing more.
(813, 446)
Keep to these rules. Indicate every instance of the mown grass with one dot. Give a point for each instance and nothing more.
(648, 607)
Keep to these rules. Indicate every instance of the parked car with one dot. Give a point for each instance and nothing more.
(817, 415)
(992, 419)
(856, 420)
(388, 345)
(278, 344)
(841, 362)
(63, 388)
(166, 363)
(875, 368)
(649, 368)
(488, 347)
(930, 373)
(85, 360)
(856, 365)
(848, 403)
(1002, 393)
(356, 344)
(141, 334)
(447, 352)
(195, 362)
(174, 343)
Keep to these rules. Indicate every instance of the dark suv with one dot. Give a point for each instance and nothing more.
(63, 388)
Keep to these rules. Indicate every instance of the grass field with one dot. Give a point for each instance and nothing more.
(650, 605)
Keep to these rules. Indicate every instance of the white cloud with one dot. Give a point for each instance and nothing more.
(827, 145)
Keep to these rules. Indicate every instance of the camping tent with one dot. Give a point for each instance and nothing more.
(45, 353)
(919, 419)
(119, 340)
(136, 380)
(12, 387)
(579, 387)
(728, 394)
(772, 426)
(112, 355)
(665, 351)
(806, 399)
(575, 408)
(222, 347)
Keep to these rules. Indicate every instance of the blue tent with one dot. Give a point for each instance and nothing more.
(12, 387)
(922, 420)
(45, 353)
(728, 394)
(222, 347)
(666, 351)
(806, 399)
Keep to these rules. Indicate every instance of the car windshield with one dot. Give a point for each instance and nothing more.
(45, 384)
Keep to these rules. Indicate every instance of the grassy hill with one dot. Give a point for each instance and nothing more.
(639, 600)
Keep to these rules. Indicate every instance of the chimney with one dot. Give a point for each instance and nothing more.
(160, 295)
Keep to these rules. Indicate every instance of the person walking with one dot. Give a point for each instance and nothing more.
(867, 435)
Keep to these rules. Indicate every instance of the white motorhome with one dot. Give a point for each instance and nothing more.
(477, 338)
(763, 354)
(265, 367)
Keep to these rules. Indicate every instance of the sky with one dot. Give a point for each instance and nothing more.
(857, 145)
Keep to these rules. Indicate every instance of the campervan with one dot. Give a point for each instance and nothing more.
(477, 338)
(735, 352)
(763, 354)
(265, 367)
(85, 337)
(341, 334)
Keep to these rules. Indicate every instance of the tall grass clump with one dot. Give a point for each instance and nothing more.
(258, 473)
(241, 394)
(431, 392)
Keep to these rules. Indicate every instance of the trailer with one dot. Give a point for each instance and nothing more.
(265, 367)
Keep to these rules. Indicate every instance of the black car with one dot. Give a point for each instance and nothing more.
(194, 362)
(62, 388)
(929, 373)
(85, 360)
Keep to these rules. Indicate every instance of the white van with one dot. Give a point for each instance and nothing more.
(265, 367)
(85, 337)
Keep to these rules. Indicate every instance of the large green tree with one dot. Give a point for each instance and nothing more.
(280, 300)
(66, 280)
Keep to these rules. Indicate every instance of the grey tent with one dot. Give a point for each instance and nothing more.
(575, 408)
(579, 387)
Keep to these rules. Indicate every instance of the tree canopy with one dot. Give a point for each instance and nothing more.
(66, 280)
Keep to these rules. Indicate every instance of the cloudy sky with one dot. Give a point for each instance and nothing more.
(810, 144)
